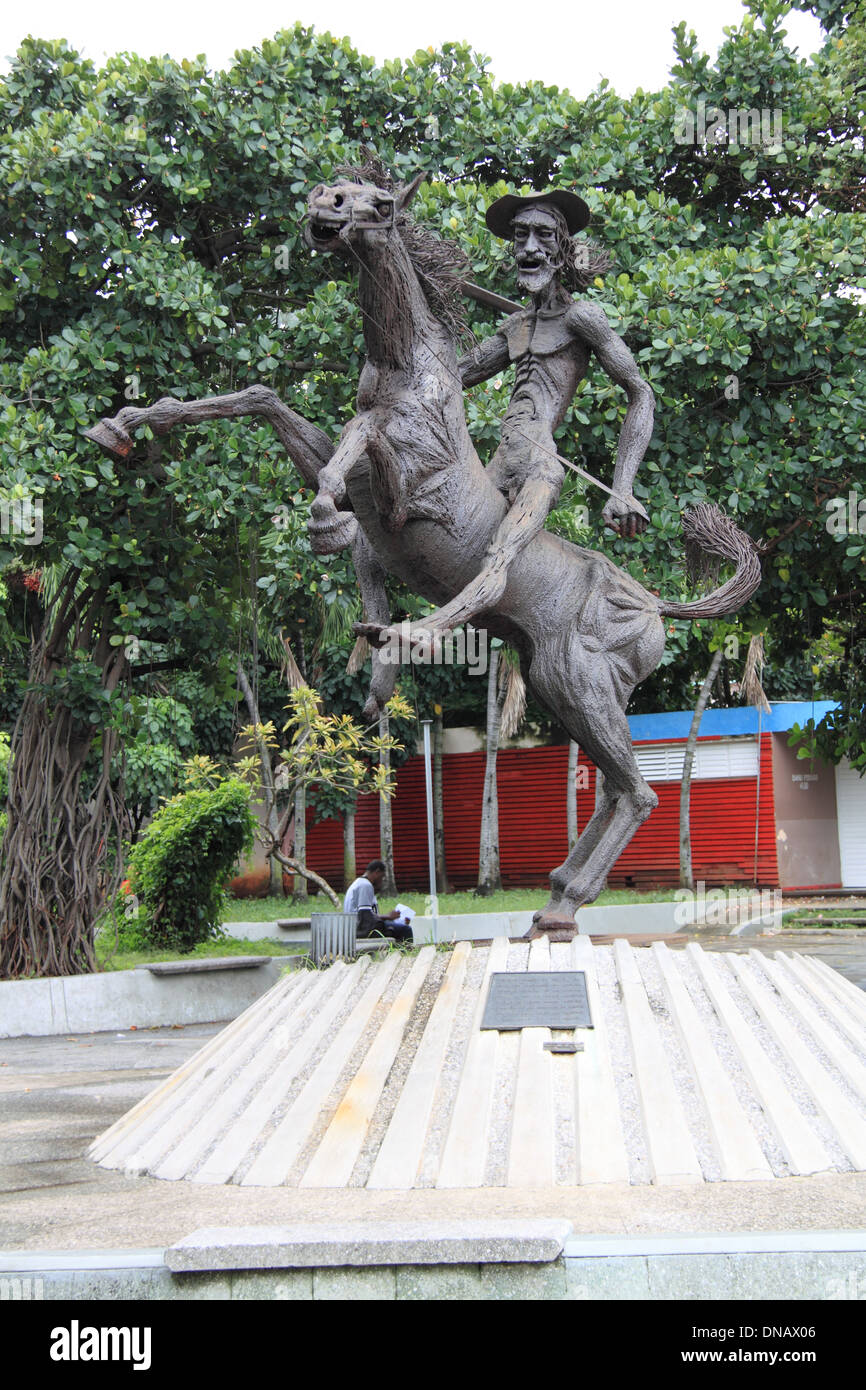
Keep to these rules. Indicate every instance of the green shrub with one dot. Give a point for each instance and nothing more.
(179, 867)
(123, 928)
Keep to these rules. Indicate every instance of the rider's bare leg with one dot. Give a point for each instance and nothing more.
(522, 522)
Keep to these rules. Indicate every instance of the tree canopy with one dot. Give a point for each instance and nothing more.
(150, 220)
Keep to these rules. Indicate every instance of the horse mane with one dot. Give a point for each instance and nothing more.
(438, 262)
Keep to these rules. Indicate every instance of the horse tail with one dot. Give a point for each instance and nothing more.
(710, 534)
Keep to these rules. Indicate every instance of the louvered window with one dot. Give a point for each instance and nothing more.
(663, 762)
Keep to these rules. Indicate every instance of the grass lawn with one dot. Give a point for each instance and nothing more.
(227, 946)
(847, 918)
(509, 900)
(272, 909)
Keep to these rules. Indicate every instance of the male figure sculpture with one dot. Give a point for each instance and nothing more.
(550, 344)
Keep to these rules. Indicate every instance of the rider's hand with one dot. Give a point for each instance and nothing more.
(392, 916)
(625, 516)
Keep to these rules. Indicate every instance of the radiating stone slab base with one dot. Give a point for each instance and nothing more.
(699, 1068)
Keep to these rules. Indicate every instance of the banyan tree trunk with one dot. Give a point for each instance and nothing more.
(60, 854)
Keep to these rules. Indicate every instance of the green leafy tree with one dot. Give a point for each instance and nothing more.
(150, 221)
(152, 762)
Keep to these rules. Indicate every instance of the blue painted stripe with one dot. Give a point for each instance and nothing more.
(727, 723)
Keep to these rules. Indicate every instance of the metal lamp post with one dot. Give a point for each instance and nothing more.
(431, 848)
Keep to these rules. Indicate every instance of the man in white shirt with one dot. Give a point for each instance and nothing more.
(361, 898)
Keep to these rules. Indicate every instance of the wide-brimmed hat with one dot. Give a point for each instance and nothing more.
(574, 209)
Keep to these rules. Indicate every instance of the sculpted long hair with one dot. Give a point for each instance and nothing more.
(582, 260)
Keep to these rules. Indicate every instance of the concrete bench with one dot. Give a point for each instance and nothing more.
(193, 967)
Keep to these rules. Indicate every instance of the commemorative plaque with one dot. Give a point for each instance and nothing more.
(536, 999)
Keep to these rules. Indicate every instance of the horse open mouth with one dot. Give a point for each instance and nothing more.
(324, 233)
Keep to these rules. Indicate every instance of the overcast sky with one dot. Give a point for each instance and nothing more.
(570, 45)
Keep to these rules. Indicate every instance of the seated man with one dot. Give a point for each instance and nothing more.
(361, 898)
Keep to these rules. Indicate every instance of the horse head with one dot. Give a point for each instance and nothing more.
(343, 214)
(405, 269)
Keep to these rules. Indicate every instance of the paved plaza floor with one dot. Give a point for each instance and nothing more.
(58, 1093)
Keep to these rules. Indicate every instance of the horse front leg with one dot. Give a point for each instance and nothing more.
(330, 529)
(308, 447)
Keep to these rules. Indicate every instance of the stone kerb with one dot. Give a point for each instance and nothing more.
(214, 993)
(637, 919)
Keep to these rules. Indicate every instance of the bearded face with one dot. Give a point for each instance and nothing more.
(536, 248)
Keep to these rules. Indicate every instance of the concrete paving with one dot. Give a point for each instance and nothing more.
(842, 950)
(58, 1093)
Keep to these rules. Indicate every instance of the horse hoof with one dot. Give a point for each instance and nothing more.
(557, 926)
(112, 439)
(377, 634)
(338, 532)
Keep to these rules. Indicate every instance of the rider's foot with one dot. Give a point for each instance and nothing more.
(328, 529)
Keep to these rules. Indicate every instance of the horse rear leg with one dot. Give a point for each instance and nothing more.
(561, 876)
(598, 723)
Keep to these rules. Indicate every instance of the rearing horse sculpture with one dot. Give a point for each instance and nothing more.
(587, 632)
(405, 488)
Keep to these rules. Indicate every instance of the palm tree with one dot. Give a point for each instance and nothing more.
(506, 704)
(752, 691)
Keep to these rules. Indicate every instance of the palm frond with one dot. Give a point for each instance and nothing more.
(512, 688)
(290, 671)
(357, 656)
(751, 686)
(337, 620)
